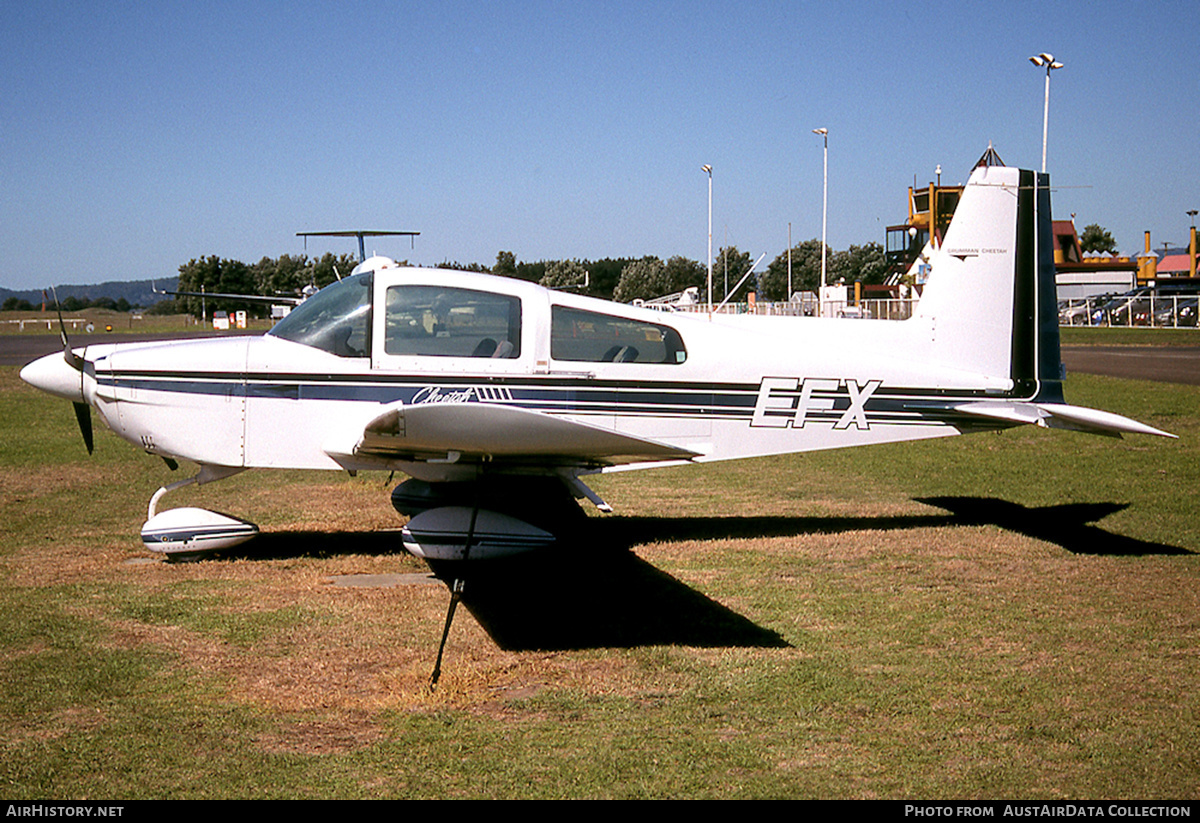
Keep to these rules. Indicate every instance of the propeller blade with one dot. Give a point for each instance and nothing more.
(73, 360)
(83, 413)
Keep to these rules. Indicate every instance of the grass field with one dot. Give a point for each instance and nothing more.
(1079, 336)
(103, 320)
(1007, 615)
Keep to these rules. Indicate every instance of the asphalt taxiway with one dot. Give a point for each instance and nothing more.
(19, 349)
(1163, 364)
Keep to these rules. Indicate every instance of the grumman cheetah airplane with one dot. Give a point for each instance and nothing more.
(495, 396)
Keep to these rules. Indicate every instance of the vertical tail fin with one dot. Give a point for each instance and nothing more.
(990, 301)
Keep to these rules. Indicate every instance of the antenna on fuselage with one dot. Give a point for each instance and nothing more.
(362, 251)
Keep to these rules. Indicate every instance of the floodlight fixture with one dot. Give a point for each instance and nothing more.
(1050, 63)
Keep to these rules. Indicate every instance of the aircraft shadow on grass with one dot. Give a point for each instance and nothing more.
(600, 594)
(596, 595)
(1068, 525)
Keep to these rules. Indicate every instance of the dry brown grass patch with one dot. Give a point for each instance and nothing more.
(18, 486)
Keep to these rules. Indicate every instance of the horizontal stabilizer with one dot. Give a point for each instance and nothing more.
(1059, 416)
(477, 430)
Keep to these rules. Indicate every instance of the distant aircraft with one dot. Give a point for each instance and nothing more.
(306, 292)
(496, 396)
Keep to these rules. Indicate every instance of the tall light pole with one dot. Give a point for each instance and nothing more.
(1049, 62)
(707, 169)
(824, 213)
(1192, 244)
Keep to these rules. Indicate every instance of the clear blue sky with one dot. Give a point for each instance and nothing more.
(134, 137)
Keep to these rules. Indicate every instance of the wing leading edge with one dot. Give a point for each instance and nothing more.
(448, 432)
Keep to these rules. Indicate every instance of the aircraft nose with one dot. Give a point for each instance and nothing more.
(53, 374)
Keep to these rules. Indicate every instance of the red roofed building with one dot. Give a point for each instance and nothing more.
(1175, 264)
(1078, 276)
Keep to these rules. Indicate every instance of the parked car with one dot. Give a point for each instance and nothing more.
(1176, 312)
(1140, 306)
(1119, 310)
(1078, 312)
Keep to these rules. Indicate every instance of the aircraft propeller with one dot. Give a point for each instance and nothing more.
(83, 411)
(83, 414)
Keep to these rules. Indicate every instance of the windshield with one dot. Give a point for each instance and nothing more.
(337, 319)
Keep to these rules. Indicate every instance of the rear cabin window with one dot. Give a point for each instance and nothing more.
(432, 321)
(591, 337)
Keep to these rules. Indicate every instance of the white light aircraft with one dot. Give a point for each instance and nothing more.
(495, 396)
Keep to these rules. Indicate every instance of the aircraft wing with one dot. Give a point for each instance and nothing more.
(277, 300)
(447, 432)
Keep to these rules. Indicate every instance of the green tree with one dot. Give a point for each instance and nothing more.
(866, 264)
(565, 274)
(605, 274)
(683, 273)
(1096, 238)
(328, 269)
(506, 264)
(806, 271)
(454, 265)
(532, 272)
(728, 267)
(213, 274)
(286, 274)
(236, 278)
(642, 280)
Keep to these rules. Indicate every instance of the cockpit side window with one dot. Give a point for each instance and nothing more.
(337, 319)
(592, 337)
(434, 321)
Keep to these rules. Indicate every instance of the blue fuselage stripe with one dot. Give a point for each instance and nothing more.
(713, 401)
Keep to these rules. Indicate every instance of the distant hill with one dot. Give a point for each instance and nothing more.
(137, 292)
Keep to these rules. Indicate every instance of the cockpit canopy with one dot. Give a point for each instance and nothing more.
(474, 318)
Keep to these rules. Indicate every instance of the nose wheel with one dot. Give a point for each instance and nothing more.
(192, 532)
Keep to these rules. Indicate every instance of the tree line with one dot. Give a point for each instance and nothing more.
(283, 276)
(623, 279)
(626, 279)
